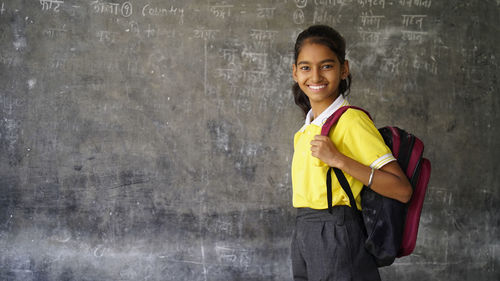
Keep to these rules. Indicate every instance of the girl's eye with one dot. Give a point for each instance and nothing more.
(327, 66)
(304, 68)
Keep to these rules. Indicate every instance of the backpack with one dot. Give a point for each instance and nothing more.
(391, 226)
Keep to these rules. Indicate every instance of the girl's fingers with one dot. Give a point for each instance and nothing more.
(321, 138)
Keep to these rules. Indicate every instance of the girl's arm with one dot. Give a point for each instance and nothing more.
(389, 181)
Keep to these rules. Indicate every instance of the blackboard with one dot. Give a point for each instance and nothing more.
(152, 140)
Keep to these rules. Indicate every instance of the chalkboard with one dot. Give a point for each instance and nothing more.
(152, 140)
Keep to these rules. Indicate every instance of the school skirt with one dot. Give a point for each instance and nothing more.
(330, 247)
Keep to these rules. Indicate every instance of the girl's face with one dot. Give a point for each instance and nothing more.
(318, 72)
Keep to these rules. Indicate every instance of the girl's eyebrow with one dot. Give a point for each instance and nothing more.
(321, 62)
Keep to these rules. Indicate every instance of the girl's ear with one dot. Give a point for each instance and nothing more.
(294, 72)
(345, 69)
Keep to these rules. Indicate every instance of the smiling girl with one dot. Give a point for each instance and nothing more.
(330, 246)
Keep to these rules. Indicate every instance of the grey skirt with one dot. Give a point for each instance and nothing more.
(330, 247)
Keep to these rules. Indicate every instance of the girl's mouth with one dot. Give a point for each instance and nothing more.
(316, 87)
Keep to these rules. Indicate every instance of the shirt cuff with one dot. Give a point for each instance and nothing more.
(381, 161)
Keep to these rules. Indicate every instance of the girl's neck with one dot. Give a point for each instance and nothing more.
(318, 108)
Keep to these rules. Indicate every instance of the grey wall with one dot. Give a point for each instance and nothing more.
(152, 140)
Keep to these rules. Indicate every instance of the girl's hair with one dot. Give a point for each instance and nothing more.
(325, 35)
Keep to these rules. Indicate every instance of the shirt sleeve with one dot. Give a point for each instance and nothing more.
(362, 141)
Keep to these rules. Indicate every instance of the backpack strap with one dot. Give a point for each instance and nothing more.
(345, 186)
(325, 130)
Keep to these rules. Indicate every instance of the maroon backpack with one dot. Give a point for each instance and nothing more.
(391, 226)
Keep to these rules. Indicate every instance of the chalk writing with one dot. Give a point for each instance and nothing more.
(413, 35)
(221, 11)
(242, 105)
(443, 197)
(10, 134)
(233, 256)
(390, 65)
(9, 61)
(287, 60)
(301, 3)
(153, 31)
(370, 19)
(150, 32)
(260, 59)
(416, 3)
(413, 20)
(106, 36)
(322, 16)
(253, 91)
(9, 104)
(54, 32)
(298, 16)
(73, 11)
(254, 76)
(370, 36)
(99, 250)
(262, 35)
(53, 5)
(124, 9)
(401, 65)
(228, 55)
(232, 76)
(267, 13)
(329, 2)
(147, 10)
(2, 9)
(430, 67)
(228, 74)
(206, 34)
(372, 3)
(134, 28)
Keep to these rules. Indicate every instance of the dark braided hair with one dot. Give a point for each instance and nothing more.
(325, 35)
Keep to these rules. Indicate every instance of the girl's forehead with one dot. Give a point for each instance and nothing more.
(316, 50)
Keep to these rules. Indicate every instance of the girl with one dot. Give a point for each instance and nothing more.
(328, 246)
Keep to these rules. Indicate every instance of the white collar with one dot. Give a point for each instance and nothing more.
(338, 103)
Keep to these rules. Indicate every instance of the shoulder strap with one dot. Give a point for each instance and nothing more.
(325, 130)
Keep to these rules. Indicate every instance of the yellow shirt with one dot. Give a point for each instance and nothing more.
(355, 136)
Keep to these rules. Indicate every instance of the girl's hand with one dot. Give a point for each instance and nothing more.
(324, 149)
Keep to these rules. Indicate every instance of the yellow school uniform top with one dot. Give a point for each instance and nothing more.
(355, 136)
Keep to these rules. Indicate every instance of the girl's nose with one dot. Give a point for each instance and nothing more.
(316, 75)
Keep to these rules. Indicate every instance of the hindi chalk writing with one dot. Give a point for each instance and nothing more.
(262, 35)
(413, 20)
(260, 59)
(221, 11)
(206, 34)
(228, 55)
(330, 2)
(370, 36)
(53, 5)
(416, 3)
(254, 76)
(370, 19)
(125, 9)
(55, 32)
(106, 36)
(411, 35)
(324, 17)
(267, 13)
(372, 3)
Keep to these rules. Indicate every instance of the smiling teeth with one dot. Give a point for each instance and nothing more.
(317, 87)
